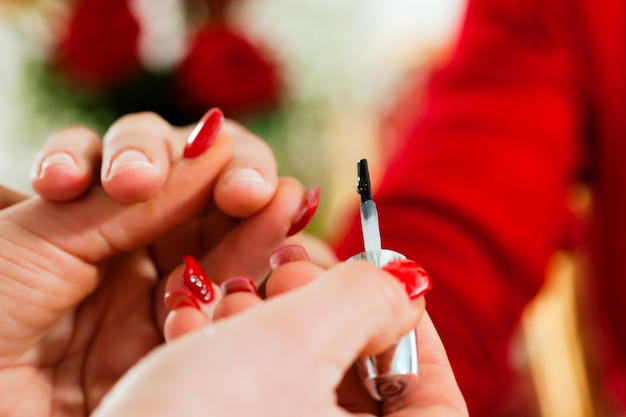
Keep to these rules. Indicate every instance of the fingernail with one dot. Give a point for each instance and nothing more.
(180, 297)
(238, 284)
(128, 159)
(197, 281)
(56, 159)
(204, 133)
(286, 254)
(310, 203)
(244, 176)
(412, 275)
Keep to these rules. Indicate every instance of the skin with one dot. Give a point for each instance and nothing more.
(290, 355)
(80, 281)
(81, 293)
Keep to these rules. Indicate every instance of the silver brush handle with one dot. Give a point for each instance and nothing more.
(394, 371)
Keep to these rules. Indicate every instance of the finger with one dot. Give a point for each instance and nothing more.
(194, 238)
(136, 156)
(8, 197)
(320, 252)
(291, 269)
(240, 246)
(239, 294)
(358, 310)
(352, 396)
(437, 393)
(246, 249)
(250, 179)
(64, 166)
(191, 297)
(189, 313)
(183, 320)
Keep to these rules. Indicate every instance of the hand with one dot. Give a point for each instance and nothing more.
(80, 298)
(287, 356)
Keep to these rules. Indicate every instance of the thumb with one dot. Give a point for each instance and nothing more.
(351, 310)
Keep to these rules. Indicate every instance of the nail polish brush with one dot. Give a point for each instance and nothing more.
(369, 213)
(393, 372)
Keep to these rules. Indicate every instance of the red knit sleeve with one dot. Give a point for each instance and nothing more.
(477, 194)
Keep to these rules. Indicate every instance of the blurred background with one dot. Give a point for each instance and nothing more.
(320, 80)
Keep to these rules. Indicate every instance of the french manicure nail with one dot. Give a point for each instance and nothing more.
(197, 281)
(244, 176)
(238, 284)
(204, 133)
(286, 254)
(412, 275)
(58, 158)
(129, 159)
(310, 202)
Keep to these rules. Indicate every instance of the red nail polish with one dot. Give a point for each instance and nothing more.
(310, 202)
(289, 253)
(204, 133)
(196, 280)
(238, 284)
(412, 275)
(180, 297)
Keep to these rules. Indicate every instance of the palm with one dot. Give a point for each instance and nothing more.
(79, 360)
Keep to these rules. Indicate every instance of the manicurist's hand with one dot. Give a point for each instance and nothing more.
(81, 298)
(288, 356)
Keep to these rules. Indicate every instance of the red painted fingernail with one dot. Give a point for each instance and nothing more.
(310, 202)
(289, 253)
(204, 133)
(180, 297)
(196, 280)
(415, 279)
(238, 284)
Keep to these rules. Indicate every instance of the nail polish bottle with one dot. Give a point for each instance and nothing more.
(388, 375)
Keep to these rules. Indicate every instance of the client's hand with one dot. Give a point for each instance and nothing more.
(80, 299)
(287, 356)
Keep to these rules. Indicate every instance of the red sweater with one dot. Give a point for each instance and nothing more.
(532, 100)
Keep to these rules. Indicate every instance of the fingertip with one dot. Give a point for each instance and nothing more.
(134, 184)
(136, 157)
(189, 285)
(64, 167)
(235, 303)
(183, 320)
(242, 190)
(290, 276)
(60, 177)
(377, 298)
(413, 277)
(251, 178)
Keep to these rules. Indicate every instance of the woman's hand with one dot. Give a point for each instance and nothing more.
(80, 295)
(287, 356)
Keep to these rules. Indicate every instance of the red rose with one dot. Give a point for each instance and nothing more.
(100, 46)
(223, 69)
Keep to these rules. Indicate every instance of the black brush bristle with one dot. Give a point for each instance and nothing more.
(363, 186)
